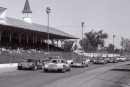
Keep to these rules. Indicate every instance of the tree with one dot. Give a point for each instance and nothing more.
(110, 48)
(93, 40)
(117, 51)
(69, 46)
(126, 44)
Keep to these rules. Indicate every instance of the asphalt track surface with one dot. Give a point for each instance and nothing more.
(92, 76)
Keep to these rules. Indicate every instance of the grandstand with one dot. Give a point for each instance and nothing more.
(21, 39)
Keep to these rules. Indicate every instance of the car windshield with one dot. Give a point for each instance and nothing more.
(78, 60)
(82, 59)
(46, 61)
(30, 60)
(58, 61)
(54, 61)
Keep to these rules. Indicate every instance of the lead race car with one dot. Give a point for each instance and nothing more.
(33, 64)
(57, 65)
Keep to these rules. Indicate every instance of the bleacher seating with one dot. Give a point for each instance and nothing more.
(16, 52)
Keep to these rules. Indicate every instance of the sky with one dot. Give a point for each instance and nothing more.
(113, 16)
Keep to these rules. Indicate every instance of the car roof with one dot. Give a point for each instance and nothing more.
(58, 59)
(32, 59)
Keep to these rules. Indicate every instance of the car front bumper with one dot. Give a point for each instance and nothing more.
(77, 64)
(99, 62)
(53, 68)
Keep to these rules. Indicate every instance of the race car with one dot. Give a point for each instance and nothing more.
(33, 64)
(81, 62)
(100, 60)
(57, 65)
(121, 59)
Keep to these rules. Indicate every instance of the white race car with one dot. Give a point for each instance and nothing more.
(57, 65)
(121, 59)
(81, 62)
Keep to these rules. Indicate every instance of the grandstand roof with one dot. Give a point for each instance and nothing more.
(37, 27)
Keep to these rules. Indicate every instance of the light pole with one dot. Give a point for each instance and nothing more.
(113, 46)
(122, 46)
(82, 24)
(48, 10)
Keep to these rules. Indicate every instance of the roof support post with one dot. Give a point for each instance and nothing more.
(33, 39)
(1, 31)
(28, 36)
(19, 35)
(11, 32)
(36, 38)
(41, 39)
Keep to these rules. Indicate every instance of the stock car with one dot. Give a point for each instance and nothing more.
(33, 64)
(112, 60)
(115, 60)
(121, 59)
(109, 59)
(57, 65)
(81, 62)
(100, 60)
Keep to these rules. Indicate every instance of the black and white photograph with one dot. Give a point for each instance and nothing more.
(64, 43)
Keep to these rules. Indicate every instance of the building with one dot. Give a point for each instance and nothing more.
(25, 31)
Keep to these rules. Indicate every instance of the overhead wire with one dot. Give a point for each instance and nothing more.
(79, 26)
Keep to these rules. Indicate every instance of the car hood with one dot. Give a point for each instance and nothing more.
(27, 62)
(54, 63)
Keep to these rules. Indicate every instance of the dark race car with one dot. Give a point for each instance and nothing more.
(33, 64)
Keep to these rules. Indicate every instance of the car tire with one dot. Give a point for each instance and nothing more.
(45, 70)
(87, 65)
(94, 63)
(35, 68)
(19, 68)
(69, 69)
(63, 70)
(42, 67)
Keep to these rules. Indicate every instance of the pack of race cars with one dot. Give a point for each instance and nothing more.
(62, 65)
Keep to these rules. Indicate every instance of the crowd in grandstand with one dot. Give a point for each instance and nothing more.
(15, 47)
